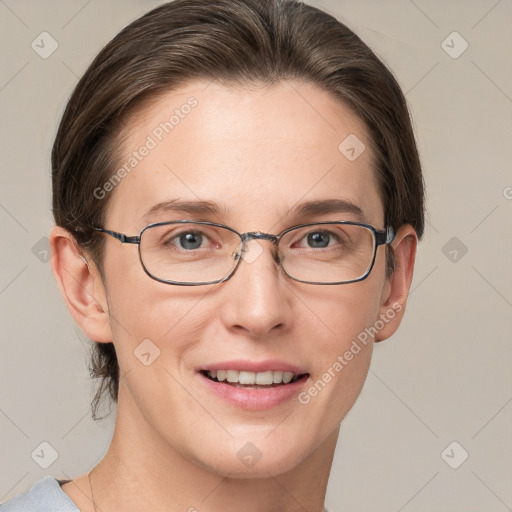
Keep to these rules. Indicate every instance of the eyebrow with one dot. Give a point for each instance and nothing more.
(192, 207)
(300, 211)
(325, 206)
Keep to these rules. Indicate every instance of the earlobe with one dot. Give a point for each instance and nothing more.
(81, 285)
(396, 289)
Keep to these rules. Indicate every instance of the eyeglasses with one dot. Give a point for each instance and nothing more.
(191, 253)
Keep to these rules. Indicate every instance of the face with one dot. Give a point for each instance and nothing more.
(258, 155)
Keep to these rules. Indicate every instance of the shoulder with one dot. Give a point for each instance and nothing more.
(44, 496)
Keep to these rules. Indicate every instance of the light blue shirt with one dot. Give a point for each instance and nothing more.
(44, 496)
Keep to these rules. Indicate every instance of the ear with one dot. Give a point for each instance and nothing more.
(81, 285)
(396, 289)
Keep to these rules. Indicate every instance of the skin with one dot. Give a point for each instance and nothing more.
(259, 151)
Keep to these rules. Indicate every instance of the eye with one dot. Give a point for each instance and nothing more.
(187, 240)
(191, 240)
(317, 239)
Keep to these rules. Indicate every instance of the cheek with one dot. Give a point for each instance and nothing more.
(157, 314)
(342, 346)
(341, 313)
(156, 327)
(148, 317)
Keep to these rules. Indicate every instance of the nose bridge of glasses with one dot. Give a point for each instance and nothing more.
(259, 235)
(251, 254)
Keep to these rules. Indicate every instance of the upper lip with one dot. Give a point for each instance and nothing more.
(254, 366)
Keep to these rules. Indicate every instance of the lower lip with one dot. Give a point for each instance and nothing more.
(254, 399)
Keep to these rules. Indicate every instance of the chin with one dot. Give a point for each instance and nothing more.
(245, 459)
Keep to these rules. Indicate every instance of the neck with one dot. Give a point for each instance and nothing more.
(141, 471)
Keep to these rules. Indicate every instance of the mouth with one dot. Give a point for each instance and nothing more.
(252, 385)
(254, 380)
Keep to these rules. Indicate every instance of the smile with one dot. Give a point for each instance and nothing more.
(253, 386)
(269, 378)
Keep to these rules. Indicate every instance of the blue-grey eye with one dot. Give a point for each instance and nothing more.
(191, 240)
(318, 239)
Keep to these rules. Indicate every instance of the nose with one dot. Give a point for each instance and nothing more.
(258, 299)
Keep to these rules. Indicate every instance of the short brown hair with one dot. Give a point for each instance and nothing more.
(236, 42)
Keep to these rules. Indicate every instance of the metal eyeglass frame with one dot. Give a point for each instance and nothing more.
(381, 237)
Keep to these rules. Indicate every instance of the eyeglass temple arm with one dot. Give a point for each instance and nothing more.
(120, 236)
(385, 236)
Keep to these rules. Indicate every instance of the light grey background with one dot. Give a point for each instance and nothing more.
(445, 376)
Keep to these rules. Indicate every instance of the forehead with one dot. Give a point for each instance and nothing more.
(256, 152)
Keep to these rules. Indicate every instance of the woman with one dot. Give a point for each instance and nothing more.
(238, 199)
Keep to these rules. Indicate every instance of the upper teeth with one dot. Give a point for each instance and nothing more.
(261, 378)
